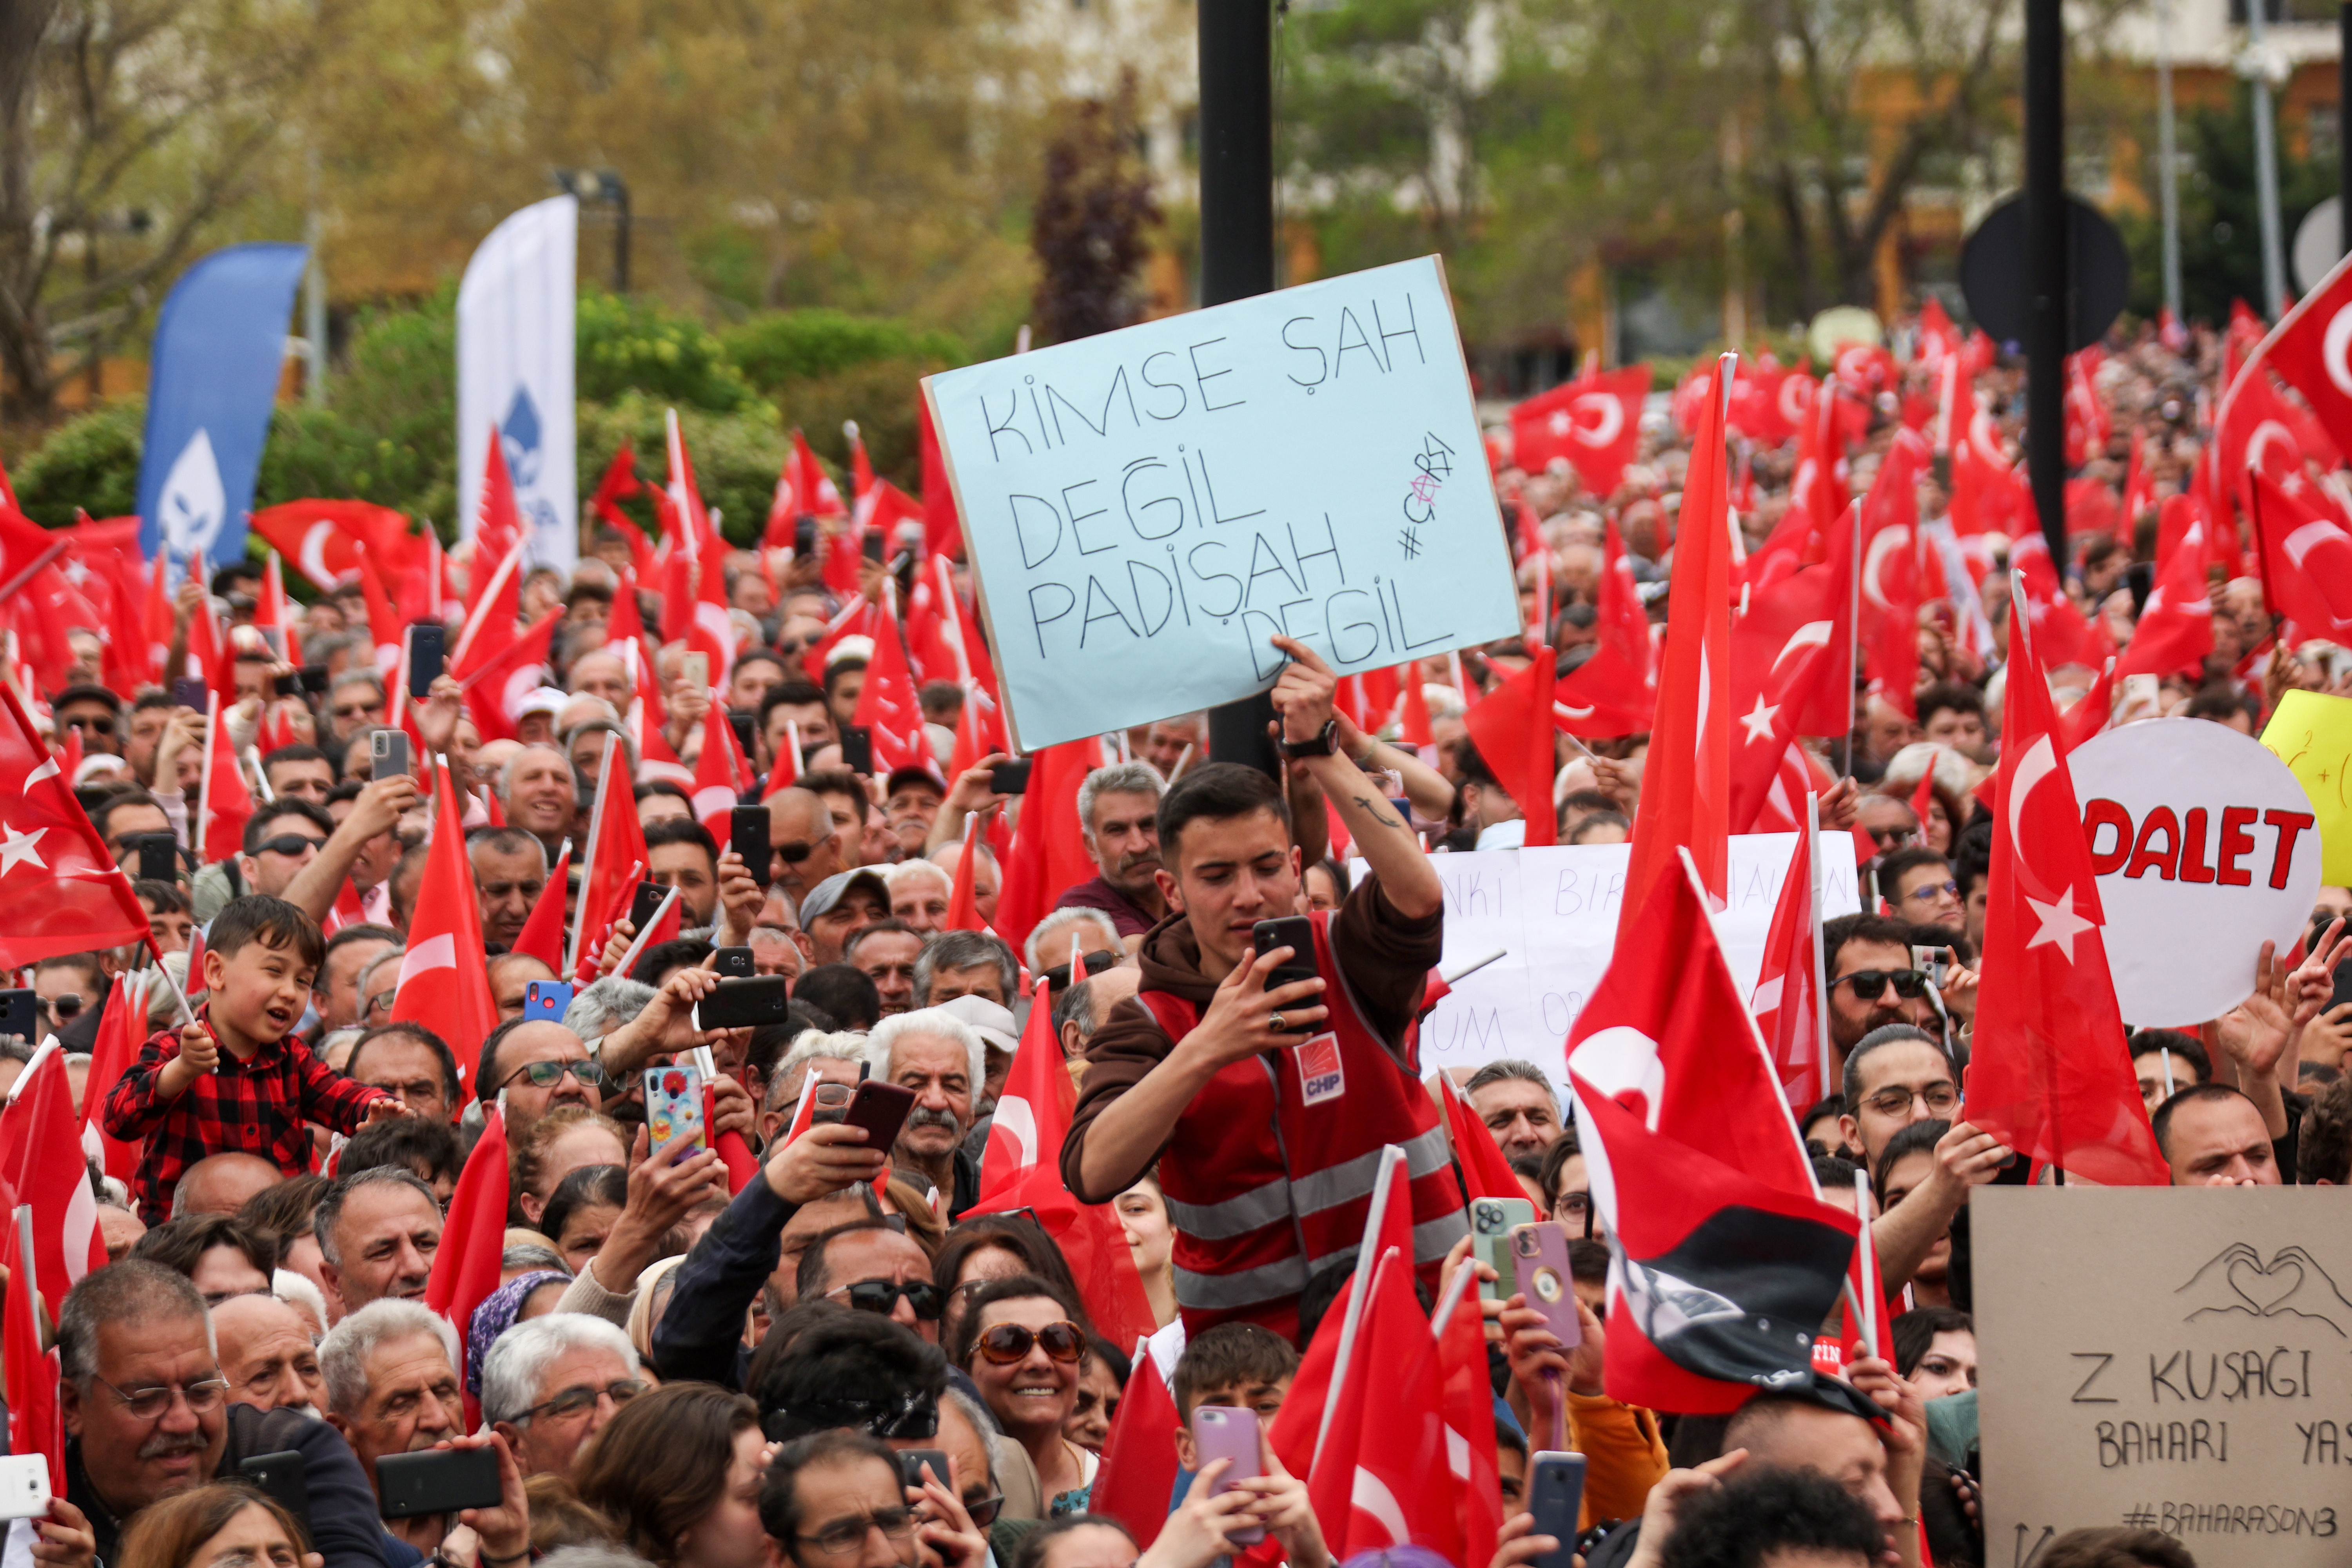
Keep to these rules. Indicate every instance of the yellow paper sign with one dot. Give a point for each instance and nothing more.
(2312, 735)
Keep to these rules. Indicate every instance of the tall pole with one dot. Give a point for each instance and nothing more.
(2047, 269)
(2168, 154)
(2344, 129)
(2255, 66)
(314, 304)
(1237, 240)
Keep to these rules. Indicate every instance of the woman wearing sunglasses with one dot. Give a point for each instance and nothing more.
(1024, 1340)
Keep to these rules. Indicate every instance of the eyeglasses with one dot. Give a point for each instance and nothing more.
(793, 854)
(843, 1536)
(1889, 837)
(983, 1511)
(288, 844)
(1058, 977)
(1896, 1100)
(354, 711)
(1572, 1206)
(150, 1404)
(1926, 891)
(96, 723)
(546, 1075)
(1870, 985)
(1007, 1344)
(882, 1296)
(581, 1398)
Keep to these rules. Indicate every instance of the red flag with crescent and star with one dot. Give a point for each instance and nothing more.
(1593, 423)
(2312, 348)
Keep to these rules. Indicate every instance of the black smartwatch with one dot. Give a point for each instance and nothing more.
(1325, 744)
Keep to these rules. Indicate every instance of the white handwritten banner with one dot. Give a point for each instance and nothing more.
(1145, 509)
(1556, 909)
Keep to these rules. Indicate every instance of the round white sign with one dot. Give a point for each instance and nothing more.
(2205, 846)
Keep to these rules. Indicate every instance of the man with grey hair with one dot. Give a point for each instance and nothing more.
(147, 1416)
(940, 1057)
(540, 1064)
(966, 964)
(541, 793)
(1063, 931)
(510, 873)
(378, 1230)
(551, 1383)
(606, 1006)
(830, 1058)
(1079, 1010)
(1118, 812)
(391, 1370)
(354, 702)
(1518, 1106)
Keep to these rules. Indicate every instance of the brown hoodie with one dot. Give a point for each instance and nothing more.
(1385, 958)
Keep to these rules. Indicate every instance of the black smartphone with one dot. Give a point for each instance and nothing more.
(747, 834)
(438, 1480)
(188, 692)
(312, 678)
(804, 538)
(1296, 932)
(881, 1109)
(912, 1460)
(1011, 778)
(746, 729)
(732, 962)
(745, 1003)
(159, 857)
(873, 543)
(1555, 1496)
(285, 685)
(19, 1016)
(388, 753)
(279, 1477)
(857, 747)
(428, 643)
(644, 906)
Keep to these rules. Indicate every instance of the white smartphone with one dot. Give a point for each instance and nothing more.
(23, 1485)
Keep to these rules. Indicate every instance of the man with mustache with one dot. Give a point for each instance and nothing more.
(939, 1057)
(1118, 808)
(147, 1416)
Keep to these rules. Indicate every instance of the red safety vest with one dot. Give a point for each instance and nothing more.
(1269, 1173)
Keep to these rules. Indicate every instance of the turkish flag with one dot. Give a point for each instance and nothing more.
(1984, 501)
(2254, 430)
(323, 538)
(1766, 728)
(498, 530)
(1033, 1115)
(1788, 1003)
(383, 623)
(2087, 427)
(1513, 731)
(64, 893)
(2067, 636)
(543, 934)
(963, 897)
(688, 521)
(720, 774)
(2048, 1072)
(1686, 790)
(943, 527)
(1767, 404)
(609, 870)
(2306, 555)
(1938, 339)
(1699, 1172)
(498, 683)
(1139, 1458)
(224, 802)
(445, 981)
(1615, 691)
(495, 604)
(468, 1266)
(1593, 423)
(619, 481)
(2176, 626)
(1468, 1405)
(2310, 347)
(1822, 487)
(1382, 1474)
(35, 1411)
(1807, 607)
(121, 1030)
(1049, 851)
(42, 1161)
(1485, 1173)
(1890, 573)
(888, 708)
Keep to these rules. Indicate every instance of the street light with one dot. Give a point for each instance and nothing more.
(604, 185)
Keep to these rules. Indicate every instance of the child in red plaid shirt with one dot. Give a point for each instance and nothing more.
(236, 1079)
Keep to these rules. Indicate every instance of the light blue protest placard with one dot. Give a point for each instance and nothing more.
(1147, 508)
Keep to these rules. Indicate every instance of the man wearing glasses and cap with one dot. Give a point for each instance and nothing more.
(540, 1064)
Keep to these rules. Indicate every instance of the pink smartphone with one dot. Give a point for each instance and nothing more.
(1540, 1260)
(1228, 1432)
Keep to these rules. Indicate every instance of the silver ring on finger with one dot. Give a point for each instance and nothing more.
(1274, 1021)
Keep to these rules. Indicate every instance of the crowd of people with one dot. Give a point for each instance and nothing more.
(685, 1371)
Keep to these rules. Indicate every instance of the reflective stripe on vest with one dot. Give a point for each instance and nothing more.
(1253, 1210)
(1432, 1241)
(1244, 1289)
(1311, 1194)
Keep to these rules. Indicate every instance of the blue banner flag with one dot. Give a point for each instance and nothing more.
(220, 346)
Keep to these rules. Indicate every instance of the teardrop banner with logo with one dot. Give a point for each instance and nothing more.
(516, 327)
(2205, 847)
(220, 345)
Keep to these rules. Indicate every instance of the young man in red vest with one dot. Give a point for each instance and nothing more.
(1265, 1108)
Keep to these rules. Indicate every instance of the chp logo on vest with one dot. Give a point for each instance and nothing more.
(1320, 1076)
(2205, 845)
(194, 503)
(525, 448)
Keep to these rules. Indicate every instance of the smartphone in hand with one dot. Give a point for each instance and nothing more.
(1228, 1432)
(673, 1121)
(1296, 932)
(427, 648)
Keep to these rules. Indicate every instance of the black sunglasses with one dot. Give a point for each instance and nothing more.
(1870, 985)
(1058, 977)
(288, 844)
(881, 1296)
(97, 724)
(793, 854)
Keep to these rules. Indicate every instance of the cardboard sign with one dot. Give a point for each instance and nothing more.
(1146, 508)
(2205, 846)
(2312, 735)
(1555, 908)
(2168, 1359)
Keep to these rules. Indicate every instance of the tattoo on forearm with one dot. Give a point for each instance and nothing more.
(1372, 808)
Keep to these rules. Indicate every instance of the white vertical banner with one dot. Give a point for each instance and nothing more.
(515, 332)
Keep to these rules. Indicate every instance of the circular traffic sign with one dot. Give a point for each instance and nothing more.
(1994, 276)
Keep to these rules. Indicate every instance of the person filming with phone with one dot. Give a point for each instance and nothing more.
(1260, 1095)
